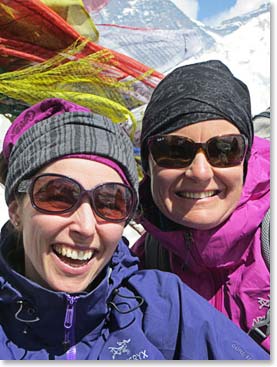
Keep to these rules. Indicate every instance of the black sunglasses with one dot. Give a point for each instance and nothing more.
(58, 194)
(174, 151)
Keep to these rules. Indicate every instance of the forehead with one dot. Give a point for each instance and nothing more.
(202, 131)
(89, 173)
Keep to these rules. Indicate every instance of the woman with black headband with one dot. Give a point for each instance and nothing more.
(69, 287)
(206, 191)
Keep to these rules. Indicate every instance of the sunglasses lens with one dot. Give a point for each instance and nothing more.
(226, 151)
(51, 194)
(172, 151)
(55, 194)
(113, 201)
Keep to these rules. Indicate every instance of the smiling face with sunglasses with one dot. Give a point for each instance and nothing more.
(72, 218)
(71, 187)
(197, 172)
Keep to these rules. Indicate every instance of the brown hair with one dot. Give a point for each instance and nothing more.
(3, 168)
(3, 176)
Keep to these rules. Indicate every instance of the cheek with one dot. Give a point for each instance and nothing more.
(161, 180)
(233, 180)
(37, 230)
(158, 189)
(162, 185)
(235, 196)
(35, 235)
(109, 234)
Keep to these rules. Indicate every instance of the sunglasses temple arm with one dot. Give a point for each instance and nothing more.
(24, 186)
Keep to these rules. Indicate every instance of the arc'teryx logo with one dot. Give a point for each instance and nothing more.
(264, 302)
(122, 348)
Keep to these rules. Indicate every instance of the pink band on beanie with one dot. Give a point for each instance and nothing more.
(41, 111)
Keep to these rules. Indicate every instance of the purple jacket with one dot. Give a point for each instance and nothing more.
(225, 264)
(130, 314)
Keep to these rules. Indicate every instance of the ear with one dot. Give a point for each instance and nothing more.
(14, 213)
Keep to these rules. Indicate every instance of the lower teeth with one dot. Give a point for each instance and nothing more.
(75, 263)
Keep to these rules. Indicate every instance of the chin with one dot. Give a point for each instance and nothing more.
(204, 224)
(67, 288)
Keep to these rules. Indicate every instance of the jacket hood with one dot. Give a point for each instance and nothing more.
(217, 247)
(40, 312)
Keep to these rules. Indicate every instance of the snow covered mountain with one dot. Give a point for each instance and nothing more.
(230, 25)
(160, 35)
(160, 14)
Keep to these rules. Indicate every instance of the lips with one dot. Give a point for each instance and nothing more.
(73, 256)
(197, 195)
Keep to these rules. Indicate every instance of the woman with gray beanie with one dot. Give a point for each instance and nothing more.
(206, 191)
(69, 287)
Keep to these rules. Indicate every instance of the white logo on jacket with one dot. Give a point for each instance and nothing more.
(264, 302)
(122, 348)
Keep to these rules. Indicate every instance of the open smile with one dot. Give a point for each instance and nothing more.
(73, 256)
(197, 195)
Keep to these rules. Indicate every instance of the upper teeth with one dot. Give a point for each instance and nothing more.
(73, 253)
(197, 195)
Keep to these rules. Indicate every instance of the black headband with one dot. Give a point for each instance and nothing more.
(193, 93)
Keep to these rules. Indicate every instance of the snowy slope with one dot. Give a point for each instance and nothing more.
(160, 35)
(246, 51)
(159, 14)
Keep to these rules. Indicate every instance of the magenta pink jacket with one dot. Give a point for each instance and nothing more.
(225, 265)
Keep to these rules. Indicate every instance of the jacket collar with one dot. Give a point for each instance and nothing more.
(40, 313)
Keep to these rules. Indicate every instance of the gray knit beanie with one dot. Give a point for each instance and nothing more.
(55, 128)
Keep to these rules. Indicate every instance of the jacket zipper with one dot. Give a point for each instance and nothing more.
(218, 296)
(188, 242)
(69, 337)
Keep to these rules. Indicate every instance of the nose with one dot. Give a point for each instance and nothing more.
(83, 220)
(200, 168)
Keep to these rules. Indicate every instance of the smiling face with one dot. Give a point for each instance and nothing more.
(66, 252)
(199, 196)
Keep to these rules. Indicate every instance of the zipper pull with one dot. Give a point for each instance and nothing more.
(69, 339)
(69, 314)
(188, 238)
